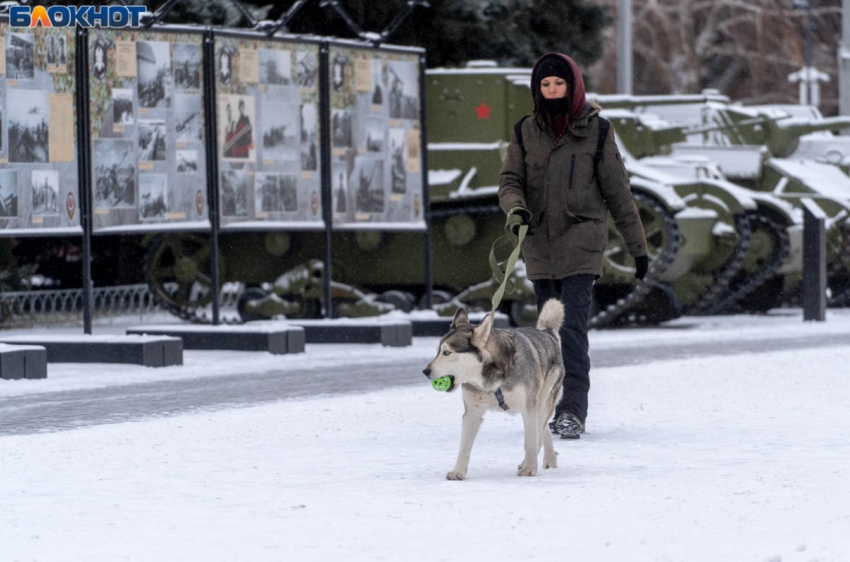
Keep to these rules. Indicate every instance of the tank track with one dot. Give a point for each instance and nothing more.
(834, 268)
(730, 269)
(730, 301)
(615, 312)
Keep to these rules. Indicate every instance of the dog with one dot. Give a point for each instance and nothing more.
(519, 370)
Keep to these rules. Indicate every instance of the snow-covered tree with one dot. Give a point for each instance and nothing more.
(744, 48)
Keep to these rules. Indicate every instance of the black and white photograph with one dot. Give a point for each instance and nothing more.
(225, 65)
(153, 196)
(61, 54)
(51, 50)
(275, 67)
(234, 193)
(367, 182)
(45, 192)
(398, 160)
(307, 69)
(8, 193)
(122, 106)
(280, 131)
(374, 134)
(187, 161)
(151, 140)
(153, 64)
(28, 125)
(114, 164)
(339, 186)
(98, 60)
(275, 192)
(20, 56)
(187, 117)
(309, 137)
(378, 88)
(338, 65)
(341, 128)
(187, 66)
(403, 84)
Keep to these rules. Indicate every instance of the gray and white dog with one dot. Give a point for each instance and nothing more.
(516, 370)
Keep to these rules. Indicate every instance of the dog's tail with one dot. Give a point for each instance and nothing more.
(551, 316)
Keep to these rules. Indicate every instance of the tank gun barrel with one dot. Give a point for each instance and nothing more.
(799, 128)
(723, 127)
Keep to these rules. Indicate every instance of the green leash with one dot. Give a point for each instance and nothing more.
(515, 240)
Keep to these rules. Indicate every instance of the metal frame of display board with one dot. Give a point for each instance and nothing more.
(87, 184)
(213, 138)
(327, 161)
(80, 154)
(210, 144)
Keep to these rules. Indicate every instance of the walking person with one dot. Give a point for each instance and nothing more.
(561, 176)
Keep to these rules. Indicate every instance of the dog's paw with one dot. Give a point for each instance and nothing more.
(456, 475)
(526, 470)
(550, 462)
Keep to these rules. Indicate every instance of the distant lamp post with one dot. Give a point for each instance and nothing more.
(809, 77)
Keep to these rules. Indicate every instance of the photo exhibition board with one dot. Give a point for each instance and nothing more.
(39, 180)
(269, 138)
(148, 152)
(376, 139)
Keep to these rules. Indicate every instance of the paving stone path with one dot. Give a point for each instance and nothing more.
(59, 411)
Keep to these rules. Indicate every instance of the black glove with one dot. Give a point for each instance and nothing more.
(641, 267)
(525, 216)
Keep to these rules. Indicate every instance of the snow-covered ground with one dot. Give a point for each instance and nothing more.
(727, 457)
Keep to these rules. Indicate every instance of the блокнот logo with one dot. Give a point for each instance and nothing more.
(76, 16)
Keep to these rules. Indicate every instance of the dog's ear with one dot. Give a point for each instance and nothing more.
(482, 331)
(461, 319)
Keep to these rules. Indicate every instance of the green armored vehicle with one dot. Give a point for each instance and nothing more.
(788, 160)
(697, 248)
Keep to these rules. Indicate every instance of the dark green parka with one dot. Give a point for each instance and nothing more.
(567, 201)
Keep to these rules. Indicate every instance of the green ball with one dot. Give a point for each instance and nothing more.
(442, 384)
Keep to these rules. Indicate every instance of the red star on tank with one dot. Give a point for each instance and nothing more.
(483, 111)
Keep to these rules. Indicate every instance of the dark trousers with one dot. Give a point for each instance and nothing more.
(575, 292)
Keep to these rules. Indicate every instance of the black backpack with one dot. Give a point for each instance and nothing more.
(604, 125)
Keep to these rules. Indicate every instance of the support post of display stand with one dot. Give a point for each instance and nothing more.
(327, 197)
(212, 167)
(84, 171)
(426, 202)
(814, 261)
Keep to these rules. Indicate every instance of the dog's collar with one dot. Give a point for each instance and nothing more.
(501, 398)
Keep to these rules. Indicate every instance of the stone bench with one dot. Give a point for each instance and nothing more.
(149, 351)
(23, 362)
(278, 338)
(390, 333)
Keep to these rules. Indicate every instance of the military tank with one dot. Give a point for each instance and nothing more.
(762, 237)
(788, 157)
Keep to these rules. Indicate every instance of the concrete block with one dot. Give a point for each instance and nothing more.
(149, 351)
(274, 337)
(23, 362)
(390, 333)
